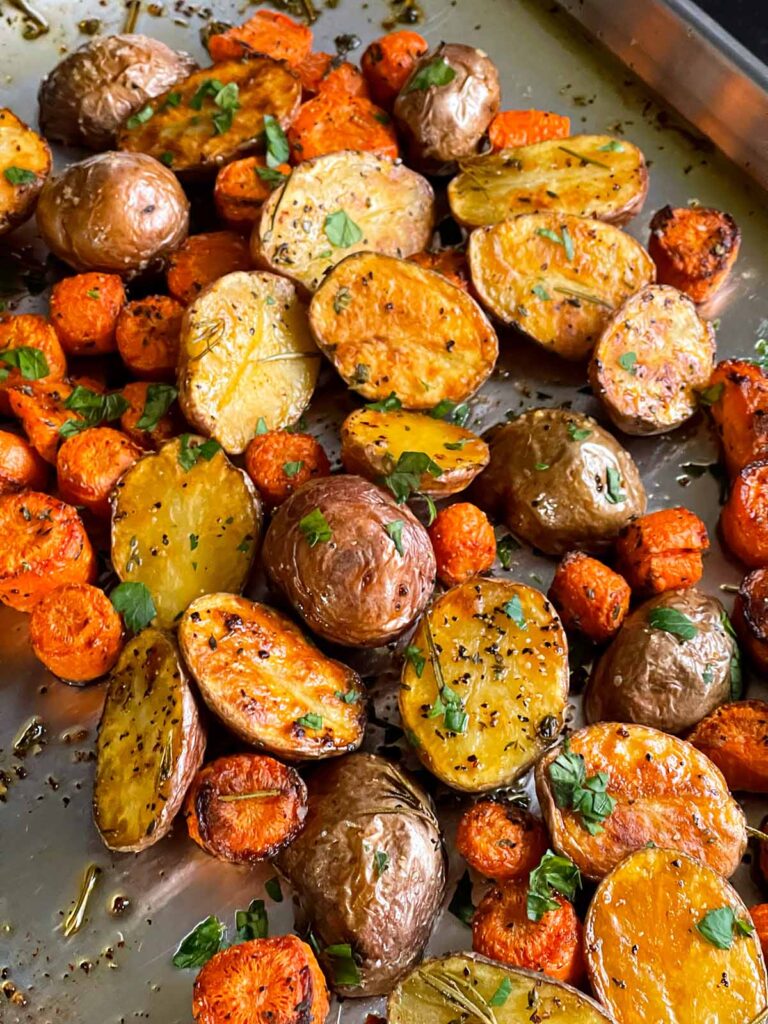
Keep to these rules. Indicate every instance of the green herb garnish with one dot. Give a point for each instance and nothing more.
(395, 533)
(160, 397)
(553, 874)
(436, 73)
(670, 620)
(341, 230)
(315, 528)
(587, 797)
(134, 602)
(721, 926)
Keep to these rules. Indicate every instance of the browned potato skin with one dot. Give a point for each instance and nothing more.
(119, 213)
(666, 792)
(86, 97)
(442, 124)
(651, 677)
(559, 508)
(20, 147)
(354, 589)
(241, 652)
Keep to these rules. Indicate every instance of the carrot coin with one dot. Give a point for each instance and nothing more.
(40, 407)
(203, 259)
(511, 128)
(89, 465)
(279, 462)
(268, 32)
(28, 331)
(501, 841)
(332, 122)
(153, 405)
(388, 62)
(744, 519)
(589, 597)
(76, 633)
(84, 312)
(21, 467)
(147, 335)
(694, 249)
(735, 738)
(662, 551)
(463, 541)
(242, 187)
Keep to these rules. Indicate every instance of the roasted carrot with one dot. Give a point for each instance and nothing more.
(243, 808)
(76, 633)
(332, 122)
(21, 467)
(148, 336)
(203, 259)
(40, 407)
(759, 915)
(589, 597)
(501, 841)
(44, 545)
(662, 551)
(502, 931)
(89, 465)
(320, 72)
(738, 401)
(511, 128)
(241, 188)
(263, 981)
(735, 737)
(694, 249)
(145, 404)
(388, 62)
(84, 312)
(279, 462)
(750, 617)
(268, 32)
(463, 541)
(449, 262)
(28, 332)
(744, 518)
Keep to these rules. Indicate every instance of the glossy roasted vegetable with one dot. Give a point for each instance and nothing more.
(25, 162)
(559, 481)
(368, 870)
(665, 793)
(655, 952)
(587, 175)
(485, 683)
(150, 744)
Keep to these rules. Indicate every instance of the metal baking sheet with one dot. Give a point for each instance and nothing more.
(117, 968)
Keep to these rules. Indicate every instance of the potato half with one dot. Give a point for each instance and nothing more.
(373, 440)
(465, 986)
(389, 206)
(648, 961)
(654, 356)
(25, 162)
(491, 693)
(150, 744)
(246, 354)
(557, 277)
(391, 325)
(258, 672)
(588, 175)
(184, 523)
(666, 792)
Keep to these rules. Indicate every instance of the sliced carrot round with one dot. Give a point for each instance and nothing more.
(167, 426)
(147, 335)
(89, 465)
(76, 633)
(21, 467)
(501, 841)
(28, 330)
(84, 312)
(203, 259)
(332, 122)
(744, 519)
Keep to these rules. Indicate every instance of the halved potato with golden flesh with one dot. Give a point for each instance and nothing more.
(25, 162)
(654, 356)
(588, 175)
(338, 204)
(373, 440)
(557, 277)
(391, 325)
(490, 693)
(246, 354)
(468, 987)
(185, 522)
(655, 952)
(213, 115)
(150, 744)
(258, 672)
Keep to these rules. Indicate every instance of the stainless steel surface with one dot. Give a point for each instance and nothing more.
(117, 969)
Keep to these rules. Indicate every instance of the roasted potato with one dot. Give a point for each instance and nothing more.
(329, 551)
(367, 869)
(241, 655)
(648, 957)
(389, 324)
(373, 440)
(750, 618)
(587, 175)
(465, 986)
(694, 248)
(668, 666)
(654, 356)
(557, 277)
(246, 355)
(93, 90)
(185, 522)
(490, 695)
(559, 481)
(446, 104)
(25, 162)
(150, 744)
(213, 115)
(119, 213)
(666, 793)
(347, 202)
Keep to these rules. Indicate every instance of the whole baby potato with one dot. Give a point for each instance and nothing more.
(446, 105)
(117, 213)
(88, 95)
(351, 579)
